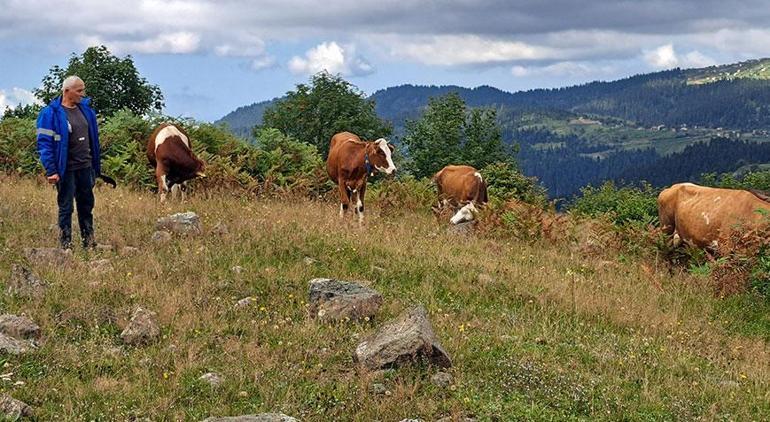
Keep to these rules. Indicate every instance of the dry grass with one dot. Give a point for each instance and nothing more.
(536, 329)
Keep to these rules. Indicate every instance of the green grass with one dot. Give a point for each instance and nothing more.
(633, 342)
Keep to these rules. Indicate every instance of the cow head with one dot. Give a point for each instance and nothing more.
(466, 213)
(380, 156)
(201, 166)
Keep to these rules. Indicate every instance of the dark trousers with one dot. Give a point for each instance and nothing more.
(77, 185)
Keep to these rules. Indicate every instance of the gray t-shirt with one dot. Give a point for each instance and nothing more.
(79, 153)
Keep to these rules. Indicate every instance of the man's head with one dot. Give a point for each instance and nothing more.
(73, 90)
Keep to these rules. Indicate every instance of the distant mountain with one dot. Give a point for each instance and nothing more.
(243, 119)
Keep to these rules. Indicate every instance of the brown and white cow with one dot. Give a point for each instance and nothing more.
(463, 187)
(351, 161)
(705, 217)
(170, 152)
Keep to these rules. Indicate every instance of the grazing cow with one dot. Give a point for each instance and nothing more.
(463, 187)
(169, 151)
(705, 217)
(351, 161)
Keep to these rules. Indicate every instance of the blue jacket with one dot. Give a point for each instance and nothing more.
(53, 137)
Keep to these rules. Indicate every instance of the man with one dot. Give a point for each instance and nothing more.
(68, 144)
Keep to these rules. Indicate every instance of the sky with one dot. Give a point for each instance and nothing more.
(210, 57)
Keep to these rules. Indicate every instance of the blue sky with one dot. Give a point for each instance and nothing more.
(210, 57)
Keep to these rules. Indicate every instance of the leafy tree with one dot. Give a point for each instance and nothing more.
(449, 133)
(111, 82)
(314, 113)
(28, 111)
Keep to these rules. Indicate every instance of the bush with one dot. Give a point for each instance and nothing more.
(624, 206)
(18, 147)
(407, 194)
(505, 182)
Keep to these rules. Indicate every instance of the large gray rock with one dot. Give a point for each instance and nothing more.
(49, 256)
(181, 223)
(19, 327)
(12, 409)
(142, 329)
(334, 300)
(462, 229)
(263, 417)
(13, 346)
(24, 282)
(407, 338)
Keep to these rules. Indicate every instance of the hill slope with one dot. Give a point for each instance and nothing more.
(535, 331)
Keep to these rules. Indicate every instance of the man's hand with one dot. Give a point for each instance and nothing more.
(53, 179)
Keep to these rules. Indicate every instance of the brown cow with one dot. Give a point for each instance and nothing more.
(463, 187)
(351, 161)
(169, 151)
(705, 217)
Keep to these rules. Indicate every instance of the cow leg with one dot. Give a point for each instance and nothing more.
(160, 177)
(344, 197)
(176, 189)
(360, 204)
(183, 190)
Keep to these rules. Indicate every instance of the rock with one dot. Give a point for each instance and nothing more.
(262, 417)
(129, 250)
(100, 266)
(401, 340)
(378, 388)
(13, 346)
(142, 329)
(309, 261)
(220, 229)
(377, 269)
(180, 223)
(24, 282)
(161, 236)
(334, 300)
(237, 269)
(450, 419)
(462, 229)
(55, 257)
(245, 302)
(12, 409)
(19, 327)
(442, 379)
(211, 378)
(103, 247)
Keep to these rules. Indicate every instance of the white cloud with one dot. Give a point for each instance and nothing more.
(663, 57)
(241, 45)
(15, 96)
(165, 43)
(263, 62)
(333, 58)
(566, 69)
(449, 50)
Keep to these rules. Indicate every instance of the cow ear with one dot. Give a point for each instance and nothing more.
(392, 148)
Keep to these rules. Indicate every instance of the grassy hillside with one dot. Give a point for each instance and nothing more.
(750, 69)
(536, 330)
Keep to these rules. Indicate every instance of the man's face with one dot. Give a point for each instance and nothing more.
(76, 92)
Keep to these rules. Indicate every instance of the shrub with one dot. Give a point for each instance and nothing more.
(18, 148)
(505, 182)
(407, 194)
(624, 206)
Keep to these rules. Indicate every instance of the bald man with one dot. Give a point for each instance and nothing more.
(68, 144)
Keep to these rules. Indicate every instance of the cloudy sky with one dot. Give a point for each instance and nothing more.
(210, 57)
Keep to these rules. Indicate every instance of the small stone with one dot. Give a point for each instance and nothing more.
(220, 229)
(104, 247)
(309, 261)
(128, 250)
(541, 341)
(24, 282)
(19, 327)
(378, 388)
(100, 266)
(211, 378)
(49, 256)
(180, 223)
(484, 279)
(442, 379)
(263, 417)
(12, 409)
(237, 269)
(161, 236)
(245, 302)
(13, 346)
(142, 329)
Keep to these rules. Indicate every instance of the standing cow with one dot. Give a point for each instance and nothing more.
(463, 187)
(706, 217)
(351, 161)
(170, 152)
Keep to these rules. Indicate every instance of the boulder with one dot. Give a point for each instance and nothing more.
(406, 338)
(19, 327)
(55, 257)
(334, 300)
(24, 282)
(12, 409)
(13, 346)
(180, 223)
(142, 329)
(462, 229)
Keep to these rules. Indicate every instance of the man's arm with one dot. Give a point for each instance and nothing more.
(47, 145)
